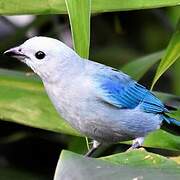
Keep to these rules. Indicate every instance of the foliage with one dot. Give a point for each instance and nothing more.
(80, 29)
(172, 54)
(59, 7)
(136, 164)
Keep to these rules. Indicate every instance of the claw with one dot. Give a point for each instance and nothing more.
(95, 146)
(136, 143)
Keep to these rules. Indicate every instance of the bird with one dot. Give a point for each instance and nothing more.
(99, 101)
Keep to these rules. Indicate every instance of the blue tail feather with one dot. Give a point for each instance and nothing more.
(170, 120)
(170, 125)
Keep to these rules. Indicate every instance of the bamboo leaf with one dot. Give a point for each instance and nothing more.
(79, 14)
(172, 54)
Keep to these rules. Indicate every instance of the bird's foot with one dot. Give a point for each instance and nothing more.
(136, 143)
(94, 147)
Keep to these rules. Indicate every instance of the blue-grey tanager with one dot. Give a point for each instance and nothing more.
(101, 102)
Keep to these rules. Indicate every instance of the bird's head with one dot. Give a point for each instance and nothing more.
(44, 55)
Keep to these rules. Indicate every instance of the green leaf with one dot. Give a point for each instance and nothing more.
(24, 101)
(124, 5)
(172, 54)
(78, 145)
(141, 158)
(140, 66)
(12, 7)
(79, 14)
(137, 164)
(163, 140)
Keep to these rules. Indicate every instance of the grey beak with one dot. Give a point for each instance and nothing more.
(15, 52)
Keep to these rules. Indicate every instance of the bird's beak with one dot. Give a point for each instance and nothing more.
(15, 52)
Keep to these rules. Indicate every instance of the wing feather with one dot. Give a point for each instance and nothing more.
(123, 92)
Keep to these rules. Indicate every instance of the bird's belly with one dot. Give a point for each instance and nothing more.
(119, 125)
(101, 121)
(109, 124)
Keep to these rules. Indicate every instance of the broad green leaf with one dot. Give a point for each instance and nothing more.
(78, 145)
(23, 100)
(140, 66)
(124, 5)
(79, 15)
(137, 164)
(141, 158)
(12, 7)
(163, 140)
(172, 54)
(176, 158)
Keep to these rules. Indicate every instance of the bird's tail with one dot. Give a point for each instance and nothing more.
(171, 125)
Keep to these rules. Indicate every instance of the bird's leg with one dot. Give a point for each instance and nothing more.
(136, 143)
(95, 146)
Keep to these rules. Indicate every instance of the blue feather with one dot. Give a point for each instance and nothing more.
(170, 120)
(122, 92)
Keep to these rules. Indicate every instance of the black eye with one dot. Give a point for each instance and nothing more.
(40, 55)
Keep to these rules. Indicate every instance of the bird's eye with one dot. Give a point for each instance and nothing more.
(40, 55)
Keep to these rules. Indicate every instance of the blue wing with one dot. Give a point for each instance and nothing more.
(119, 90)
